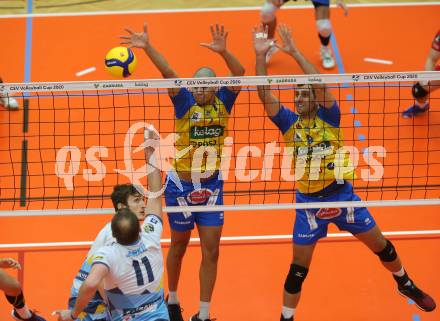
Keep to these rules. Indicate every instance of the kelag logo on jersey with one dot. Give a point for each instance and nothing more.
(201, 132)
(199, 196)
(328, 213)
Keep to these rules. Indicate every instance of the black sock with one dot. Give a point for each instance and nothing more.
(402, 280)
(16, 301)
(324, 40)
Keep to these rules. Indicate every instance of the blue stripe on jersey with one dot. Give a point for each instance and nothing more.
(227, 97)
(182, 102)
(284, 119)
(77, 282)
(330, 115)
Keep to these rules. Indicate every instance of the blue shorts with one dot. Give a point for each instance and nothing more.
(312, 224)
(208, 193)
(318, 3)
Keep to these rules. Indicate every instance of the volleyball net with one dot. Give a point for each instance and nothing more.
(67, 147)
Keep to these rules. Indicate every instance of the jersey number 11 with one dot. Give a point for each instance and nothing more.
(138, 271)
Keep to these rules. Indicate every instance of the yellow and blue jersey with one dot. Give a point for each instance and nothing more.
(309, 138)
(198, 126)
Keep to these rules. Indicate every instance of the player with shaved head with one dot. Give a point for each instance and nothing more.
(201, 119)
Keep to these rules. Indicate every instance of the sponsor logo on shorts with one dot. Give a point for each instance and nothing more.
(328, 213)
(306, 236)
(182, 222)
(199, 196)
(367, 221)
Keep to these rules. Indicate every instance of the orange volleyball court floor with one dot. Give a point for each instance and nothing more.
(345, 282)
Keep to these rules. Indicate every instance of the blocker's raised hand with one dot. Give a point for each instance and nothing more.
(219, 36)
(261, 43)
(136, 39)
(288, 45)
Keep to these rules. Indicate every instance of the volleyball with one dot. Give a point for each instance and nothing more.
(120, 62)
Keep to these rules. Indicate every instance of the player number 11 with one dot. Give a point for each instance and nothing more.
(138, 271)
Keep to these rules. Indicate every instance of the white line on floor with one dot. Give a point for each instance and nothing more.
(378, 61)
(224, 239)
(85, 71)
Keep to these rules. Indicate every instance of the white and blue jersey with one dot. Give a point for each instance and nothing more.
(134, 284)
(97, 308)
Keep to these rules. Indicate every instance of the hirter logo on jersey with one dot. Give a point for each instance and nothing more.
(148, 228)
(328, 213)
(199, 196)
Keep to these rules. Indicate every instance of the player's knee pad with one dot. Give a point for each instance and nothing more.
(268, 11)
(418, 91)
(324, 27)
(16, 301)
(388, 254)
(295, 278)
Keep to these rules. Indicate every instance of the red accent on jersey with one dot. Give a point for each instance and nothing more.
(436, 42)
(437, 68)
